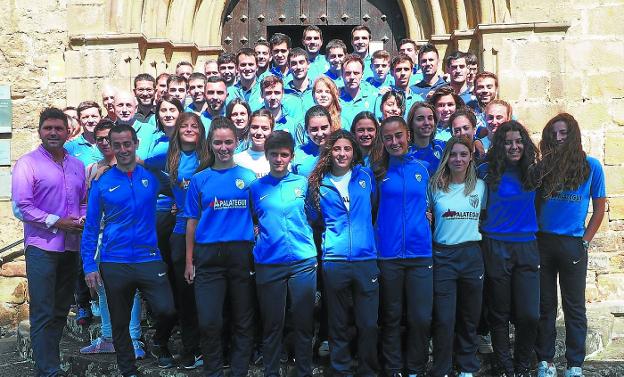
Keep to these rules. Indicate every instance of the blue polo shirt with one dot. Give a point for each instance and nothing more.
(219, 199)
(363, 101)
(253, 96)
(191, 108)
(306, 156)
(275, 71)
(318, 66)
(431, 154)
(443, 132)
(416, 76)
(304, 98)
(86, 152)
(565, 212)
(387, 82)
(511, 212)
(336, 78)
(422, 88)
(291, 119)
(145, 133)
(207, 118)
(368, 71)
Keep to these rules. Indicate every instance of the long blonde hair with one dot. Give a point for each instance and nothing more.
(442, 177)
(334, 108)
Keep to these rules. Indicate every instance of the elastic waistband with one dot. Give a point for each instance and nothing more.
(456, 246)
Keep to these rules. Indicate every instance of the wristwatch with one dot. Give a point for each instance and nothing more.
(586, 245)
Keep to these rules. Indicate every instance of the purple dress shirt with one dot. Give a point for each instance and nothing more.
(44, 191)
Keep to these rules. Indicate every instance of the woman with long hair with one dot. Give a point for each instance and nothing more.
(445, 102)
(168, 110)
(284, 256)
(341, 194)
(326, 94)
(422, 120)
(403, 238)
(509, 246)
(463, 123)
(239, 112)
(318, 126)
(187, 147)
(253, 158)
(219, 242)
(364, 128)
(570, 179)
(456, 198)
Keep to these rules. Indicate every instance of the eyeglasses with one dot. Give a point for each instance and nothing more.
(101, 139)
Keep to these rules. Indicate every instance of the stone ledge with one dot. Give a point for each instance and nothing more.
(142, 40)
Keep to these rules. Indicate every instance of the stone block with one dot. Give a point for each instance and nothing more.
(13, 290)
(86, 18)
(611, 286)
(606, 19)
(614, 148)
(616, 209)
(598, 262)
(534, 116)
(591, 115)
(617, 261)
(605, 85)
(512, 87)
(584, 55)
(13, 269)
(615, 180)
(56, 67)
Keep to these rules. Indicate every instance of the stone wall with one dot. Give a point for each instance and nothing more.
(551, 56)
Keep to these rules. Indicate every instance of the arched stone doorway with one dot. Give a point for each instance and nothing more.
(248, 21)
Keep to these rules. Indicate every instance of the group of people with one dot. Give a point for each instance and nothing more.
(237, 200)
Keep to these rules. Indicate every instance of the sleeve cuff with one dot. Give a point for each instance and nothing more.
(51, 220)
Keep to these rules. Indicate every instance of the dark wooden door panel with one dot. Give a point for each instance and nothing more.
(246, 21)
(258, 19)
(236, 26)
(385, 20)
(315, 12)
(343, 12)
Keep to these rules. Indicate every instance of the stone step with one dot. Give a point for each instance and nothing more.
(605, 355)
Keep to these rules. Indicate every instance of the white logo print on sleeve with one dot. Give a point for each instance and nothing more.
(113, 188)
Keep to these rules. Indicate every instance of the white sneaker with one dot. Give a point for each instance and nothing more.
(546, 370)
(465, 374)
(574, 372)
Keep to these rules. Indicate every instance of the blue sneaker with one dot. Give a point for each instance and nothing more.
(84, 316)
(139, 352)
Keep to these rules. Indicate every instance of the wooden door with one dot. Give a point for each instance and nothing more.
(246, 22)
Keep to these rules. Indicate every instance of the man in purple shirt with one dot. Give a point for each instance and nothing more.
(49, 196)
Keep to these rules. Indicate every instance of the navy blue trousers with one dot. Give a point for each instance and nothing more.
(457, 292)
(512, 269)
(357, 284)
(51, 281)
(224, 271)
(274, 283)
(566, 258)
(408, 281)
(121, 280)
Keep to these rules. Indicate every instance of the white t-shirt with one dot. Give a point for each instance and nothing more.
(253, 160)
(342, 184)
(456, 216)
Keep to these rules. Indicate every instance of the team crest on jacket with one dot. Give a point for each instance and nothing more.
(144, 182)
(436, 154)
(240, 183)
(418, 177)
(363, 183)
(474, 200)
(298, 192)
